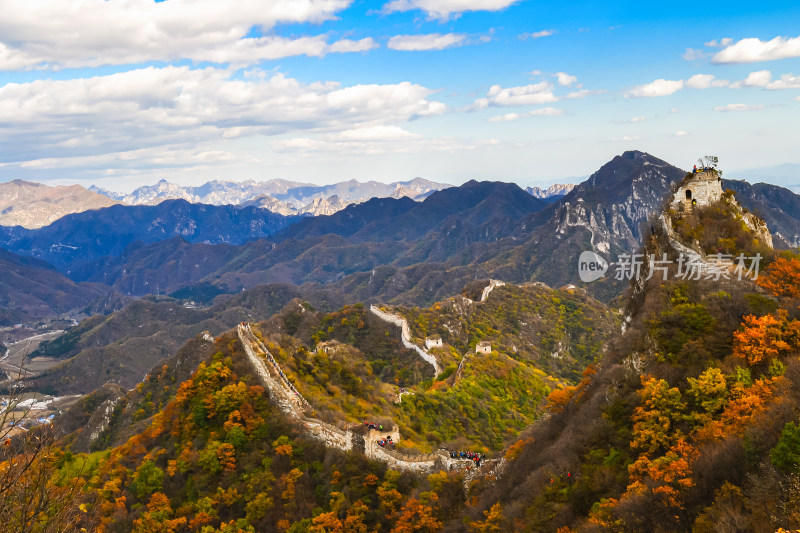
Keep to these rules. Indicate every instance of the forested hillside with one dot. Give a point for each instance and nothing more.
(689, 422)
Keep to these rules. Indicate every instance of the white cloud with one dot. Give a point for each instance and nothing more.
(693, 54)
(787, 81)
(626, 138)
(700, 81)
(534, 94)
(680, 133)
(542, 111)
(59, 34)
(565, 79)
(250, 51)
(370, 141)
(759, 78)
(738, 107)
(752, 50)
(674, 110)
(583, 93)
(638, 119)
(725, 41)
(432, 41)
(377, 133)
(173, 105)
(444, 9)
(659, 87)
(540, 34)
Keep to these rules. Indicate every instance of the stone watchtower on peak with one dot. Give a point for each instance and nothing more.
(701, 187)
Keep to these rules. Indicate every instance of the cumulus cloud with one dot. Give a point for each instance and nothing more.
(759, 78)
(659, 87)
(431, 41)
(534, 94)
(173, 105)
(565, 79)
(787, 81)
(662, 87)
(700, 81)
(98, 32)
(542, 111)
(752, 50)
(444, 9)
(680, 133)
(738, 107)
(540, 34)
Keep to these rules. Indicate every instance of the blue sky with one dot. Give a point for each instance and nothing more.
(123, 93)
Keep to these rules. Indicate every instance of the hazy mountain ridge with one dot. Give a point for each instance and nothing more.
(31, 289)
(82, 238)
(552, 192)
(33, 205)
(294, 197)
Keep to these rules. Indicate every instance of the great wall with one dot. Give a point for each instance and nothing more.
(292, 404)
(405, 336)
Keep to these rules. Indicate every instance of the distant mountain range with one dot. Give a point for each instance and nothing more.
(552, 192)
(33, 205)
(277, 195)
(394, 250)
(81, 238)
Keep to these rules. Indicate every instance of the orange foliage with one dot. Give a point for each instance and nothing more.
(558, 399)
(494, 522)
(740, 411)
(515, 449)
(765, 338)
(418, 516)
(655, 420)
(226, 454)
(782, 277)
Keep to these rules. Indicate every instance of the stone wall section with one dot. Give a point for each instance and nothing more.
(405, 336)
(335, 437)
(490, 287)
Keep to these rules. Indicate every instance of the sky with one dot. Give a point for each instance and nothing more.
(123, 93)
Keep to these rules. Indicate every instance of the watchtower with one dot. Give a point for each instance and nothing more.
(701, 187)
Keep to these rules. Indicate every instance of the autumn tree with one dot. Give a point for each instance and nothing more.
(656, 419)
(768, 337)
(782, 277)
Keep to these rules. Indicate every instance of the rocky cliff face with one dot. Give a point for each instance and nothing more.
(777, 206)
(616, 201)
